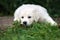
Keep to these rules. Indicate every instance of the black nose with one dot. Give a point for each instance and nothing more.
(24, 22)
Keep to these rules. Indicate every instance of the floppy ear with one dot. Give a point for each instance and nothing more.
(36, 16)
(16, 18)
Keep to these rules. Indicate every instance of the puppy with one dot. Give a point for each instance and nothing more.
(29, 13)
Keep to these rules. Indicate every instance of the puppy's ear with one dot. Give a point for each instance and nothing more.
(16, 18)
(36, 15)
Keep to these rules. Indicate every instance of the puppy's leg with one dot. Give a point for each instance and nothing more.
(51, 21)
(16, 19)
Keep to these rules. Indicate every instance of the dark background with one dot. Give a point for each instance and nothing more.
(7, 7)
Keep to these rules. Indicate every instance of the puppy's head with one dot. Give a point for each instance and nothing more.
(27, 18)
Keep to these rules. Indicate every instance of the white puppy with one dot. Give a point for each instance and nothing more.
(28, 13)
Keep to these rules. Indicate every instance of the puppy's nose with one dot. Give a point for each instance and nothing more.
(24, 22)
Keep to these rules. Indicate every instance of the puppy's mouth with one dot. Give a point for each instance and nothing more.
(23, 25)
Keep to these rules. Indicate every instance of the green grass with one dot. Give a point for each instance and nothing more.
(36, 31)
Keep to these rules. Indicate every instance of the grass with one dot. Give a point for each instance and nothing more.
(36, 31)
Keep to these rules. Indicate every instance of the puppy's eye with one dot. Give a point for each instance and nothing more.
(22, 17)
(29, 16)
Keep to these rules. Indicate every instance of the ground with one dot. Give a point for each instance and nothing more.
(7, 21)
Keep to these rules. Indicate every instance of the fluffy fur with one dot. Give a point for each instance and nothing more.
(36, 13)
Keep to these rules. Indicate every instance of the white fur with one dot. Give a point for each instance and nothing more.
(37, 13)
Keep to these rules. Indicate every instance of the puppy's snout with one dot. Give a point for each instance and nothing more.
(25, 23)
